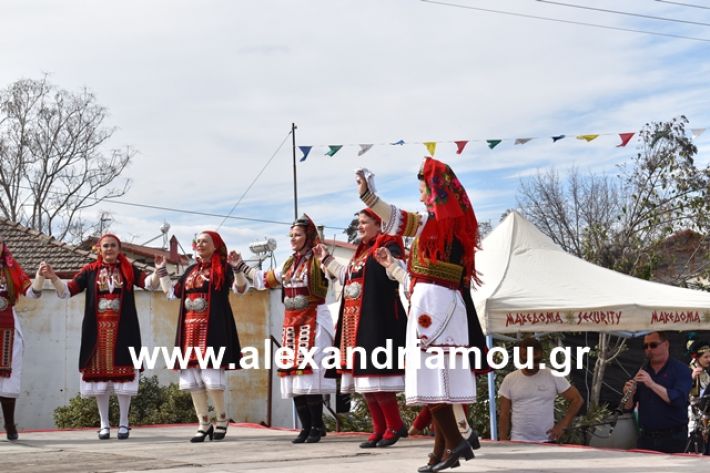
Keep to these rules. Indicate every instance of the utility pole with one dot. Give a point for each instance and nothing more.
(295, 181)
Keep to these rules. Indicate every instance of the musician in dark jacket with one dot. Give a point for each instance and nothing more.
(660, 392)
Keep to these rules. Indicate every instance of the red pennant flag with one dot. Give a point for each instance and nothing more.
(460, 145)
(625, 138)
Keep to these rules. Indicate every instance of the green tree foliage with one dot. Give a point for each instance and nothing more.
(154, 404)
(351, 231)
(623, 222)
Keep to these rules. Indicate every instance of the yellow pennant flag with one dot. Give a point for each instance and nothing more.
(431, 147)
(587, 138)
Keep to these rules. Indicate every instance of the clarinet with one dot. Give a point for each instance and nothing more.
(695, 390)
(625, 398)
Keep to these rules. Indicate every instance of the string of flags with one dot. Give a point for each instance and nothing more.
(431, 146)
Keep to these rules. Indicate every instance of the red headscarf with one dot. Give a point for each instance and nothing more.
(218, 258)
(17, 277)
(124, 265)
(454, 217)
(381, 239)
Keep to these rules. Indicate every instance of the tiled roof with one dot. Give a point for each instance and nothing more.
(30, 247)
(339, 244)
(144, 254)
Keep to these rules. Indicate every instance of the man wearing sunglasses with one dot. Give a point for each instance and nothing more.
(660, 390)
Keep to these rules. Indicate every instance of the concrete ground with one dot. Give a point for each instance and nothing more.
(252, 448)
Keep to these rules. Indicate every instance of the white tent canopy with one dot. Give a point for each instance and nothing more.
(531, 284)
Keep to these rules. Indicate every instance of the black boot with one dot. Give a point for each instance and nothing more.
(304, 415)
(8, 412)
(315, 408)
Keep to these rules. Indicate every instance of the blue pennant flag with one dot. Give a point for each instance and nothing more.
(400, 142)
(557, 138)
(305, 150)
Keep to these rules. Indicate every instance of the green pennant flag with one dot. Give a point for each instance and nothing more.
(333, 149)
(493, 143)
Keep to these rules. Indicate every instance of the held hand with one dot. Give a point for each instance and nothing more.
(630, 385)
(320, 252)
(556, 432)
(696, 372)
(361, 182)
(46, 271)
(643, 377)
(159, 261)
(384, 257)
(234, 259)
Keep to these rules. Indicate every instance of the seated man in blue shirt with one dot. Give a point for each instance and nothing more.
(661, 390)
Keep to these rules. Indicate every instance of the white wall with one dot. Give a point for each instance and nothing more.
(51, 330)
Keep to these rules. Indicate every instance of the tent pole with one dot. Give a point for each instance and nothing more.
(492, 397)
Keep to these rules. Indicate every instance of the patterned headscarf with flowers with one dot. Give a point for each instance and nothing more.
(454, 217)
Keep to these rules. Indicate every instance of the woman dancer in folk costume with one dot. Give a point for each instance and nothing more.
(109, 328)
(371, 313)
(13, 283)
(438, 277)
(206, 323)
(307, 324)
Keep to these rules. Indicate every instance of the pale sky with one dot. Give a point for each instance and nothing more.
(206, 90)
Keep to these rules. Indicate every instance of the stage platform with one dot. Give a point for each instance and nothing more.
(166, 449)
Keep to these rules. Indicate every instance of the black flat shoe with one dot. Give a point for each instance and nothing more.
(396, 435)
(220, 431)
(123, 435)
(473, 440)
(428, 468)
(315, 435)
(201, 434)
(11, 432)
(301, 437)
(463, 449)
(104, 433)
(369, 443)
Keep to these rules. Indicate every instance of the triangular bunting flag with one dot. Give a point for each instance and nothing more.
(431, 147)
(305, 150)
(587, 138)
(522, 141)
(697, 132)
(400, 142)
(493, 143)
(364, 149)
(557, 138)
(332, 149)
(625, 138)
(460, 145)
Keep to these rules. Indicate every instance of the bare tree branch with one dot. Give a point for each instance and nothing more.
(54, 155)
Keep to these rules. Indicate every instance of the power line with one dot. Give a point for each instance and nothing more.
(618, 12)
(254, 180)
(690, 5)
(206, 214)
(184, 211)
(571, 22)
